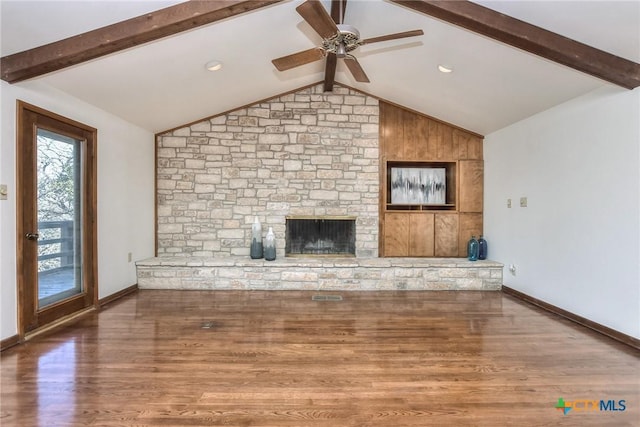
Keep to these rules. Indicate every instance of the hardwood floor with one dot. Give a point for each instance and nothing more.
(236, 358)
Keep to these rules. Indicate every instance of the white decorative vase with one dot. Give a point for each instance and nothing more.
(270, 245)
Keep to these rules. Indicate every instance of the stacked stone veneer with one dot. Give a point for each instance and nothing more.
(351, 274)
(306, 153)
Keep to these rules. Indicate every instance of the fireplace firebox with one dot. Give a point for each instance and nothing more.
(320, 236)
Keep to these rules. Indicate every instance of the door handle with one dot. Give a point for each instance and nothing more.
(32, 236)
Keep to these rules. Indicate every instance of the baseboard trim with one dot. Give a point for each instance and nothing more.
(604, 330)
(9, 342)
(113, 297)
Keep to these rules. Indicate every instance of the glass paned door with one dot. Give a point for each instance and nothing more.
(56, 223)
(59, 209)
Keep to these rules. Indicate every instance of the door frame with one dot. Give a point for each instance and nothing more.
(30, 317)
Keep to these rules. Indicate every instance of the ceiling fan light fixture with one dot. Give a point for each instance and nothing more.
(213, 65)
(445, 68)
(349, 31)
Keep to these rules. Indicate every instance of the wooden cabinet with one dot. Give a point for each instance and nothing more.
(471, 174)
(446, 235)
(396, 234)
(469, 224)
(408, 234)
(442, 229)
(421, 234)
(421, 237)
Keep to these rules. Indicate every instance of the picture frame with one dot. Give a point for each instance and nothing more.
(415, 185)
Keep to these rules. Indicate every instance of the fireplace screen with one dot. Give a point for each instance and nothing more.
(320, 236)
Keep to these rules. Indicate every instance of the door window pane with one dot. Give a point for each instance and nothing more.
(59, 203)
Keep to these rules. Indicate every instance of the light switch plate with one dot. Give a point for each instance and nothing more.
(509, 203)
(523, 202)
(3, 192)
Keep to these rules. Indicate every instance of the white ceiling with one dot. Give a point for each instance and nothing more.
(163, 84)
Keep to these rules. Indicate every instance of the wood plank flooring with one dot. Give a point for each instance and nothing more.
(250, 358)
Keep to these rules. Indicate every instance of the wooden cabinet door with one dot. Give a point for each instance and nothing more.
(421, 234)
(446, 235)
(471, 185)
(470, 224)
(396, 234)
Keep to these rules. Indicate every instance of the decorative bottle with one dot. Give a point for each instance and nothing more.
(472, 249)
(482, 248)
(270, 245)
(256, 240)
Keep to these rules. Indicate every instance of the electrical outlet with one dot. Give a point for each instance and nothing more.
(509, 203)
(523, 202)
(129, 257)
(3, 191)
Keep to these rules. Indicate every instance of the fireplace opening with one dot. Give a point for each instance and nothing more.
(323, 235)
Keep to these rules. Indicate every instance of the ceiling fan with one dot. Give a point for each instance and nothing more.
(338, 40)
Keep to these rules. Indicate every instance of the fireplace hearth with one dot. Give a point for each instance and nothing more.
(320, 236)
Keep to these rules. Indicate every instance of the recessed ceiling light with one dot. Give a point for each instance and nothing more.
(445, 68)
(214, 65)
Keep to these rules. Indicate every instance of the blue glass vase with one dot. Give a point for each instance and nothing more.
(482, 248)
(255, 250)
(472, 249)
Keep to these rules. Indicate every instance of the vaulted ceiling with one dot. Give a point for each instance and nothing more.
(162, 83)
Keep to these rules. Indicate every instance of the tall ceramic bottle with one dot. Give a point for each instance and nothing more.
(255, 250)
(482, 248)
(270, 245)
(472, 249)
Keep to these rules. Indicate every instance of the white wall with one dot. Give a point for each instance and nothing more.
(576, 245)
(125, 192)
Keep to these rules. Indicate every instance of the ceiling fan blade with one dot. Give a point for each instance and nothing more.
(299, 58)
(393, 36)
(356, 69)
(330, 72)
(338, 8)
(316, 15)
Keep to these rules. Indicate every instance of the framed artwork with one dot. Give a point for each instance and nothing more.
(418, 186)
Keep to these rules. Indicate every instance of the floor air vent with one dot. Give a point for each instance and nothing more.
(210, 325)
(326, 298)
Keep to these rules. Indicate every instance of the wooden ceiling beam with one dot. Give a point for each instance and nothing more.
(122, 35)
(533, 39)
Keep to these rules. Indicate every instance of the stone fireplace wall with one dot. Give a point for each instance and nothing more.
(306, 153)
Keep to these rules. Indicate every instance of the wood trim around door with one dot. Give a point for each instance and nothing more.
(29, 118)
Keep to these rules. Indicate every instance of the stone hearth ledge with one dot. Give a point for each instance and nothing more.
(321, 273)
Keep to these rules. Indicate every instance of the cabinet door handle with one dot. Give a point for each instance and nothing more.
(32, 236)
